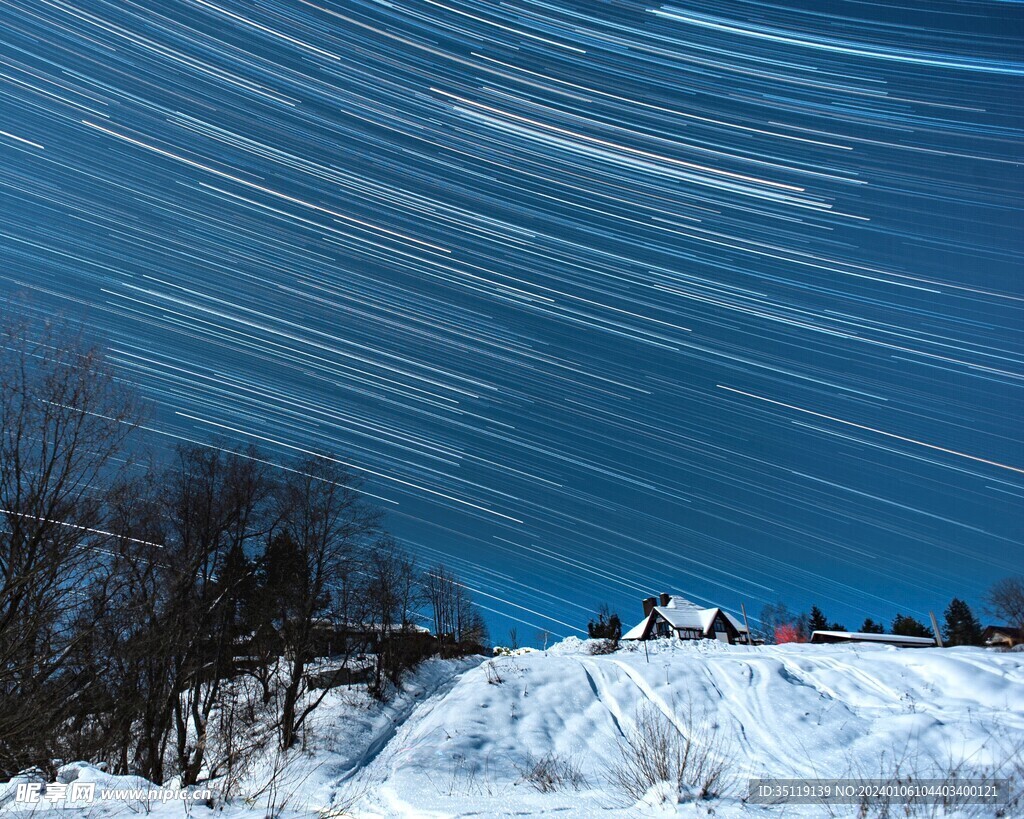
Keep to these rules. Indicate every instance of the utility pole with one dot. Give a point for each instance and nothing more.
(935, 628)
(746, 625)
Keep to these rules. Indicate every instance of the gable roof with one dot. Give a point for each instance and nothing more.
(640, 629)
(680, 613)
(1009, 631)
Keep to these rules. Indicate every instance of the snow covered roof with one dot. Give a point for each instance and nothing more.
(637, 632)
(867, 637)
(680, 613)
(1004, 631)
(681, 616)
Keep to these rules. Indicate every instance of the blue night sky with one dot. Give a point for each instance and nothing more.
(605, 297)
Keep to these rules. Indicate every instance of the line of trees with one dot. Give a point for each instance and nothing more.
(960, 627)
(133, 595)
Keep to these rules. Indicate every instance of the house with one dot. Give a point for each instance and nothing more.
(329, 638)
(864, 637)
(668, 616)
(1002, 636)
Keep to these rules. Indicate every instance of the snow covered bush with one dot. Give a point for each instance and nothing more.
(690, 758)
(505, 651)
(602, 646)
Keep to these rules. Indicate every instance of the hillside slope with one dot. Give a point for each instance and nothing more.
(798, 710)
(465, 738)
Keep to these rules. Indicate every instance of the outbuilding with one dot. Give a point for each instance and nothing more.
(866, 637)
(1002, 636)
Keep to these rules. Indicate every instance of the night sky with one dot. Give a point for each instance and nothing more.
(604, 298)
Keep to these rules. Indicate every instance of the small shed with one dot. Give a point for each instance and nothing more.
(1002, 636)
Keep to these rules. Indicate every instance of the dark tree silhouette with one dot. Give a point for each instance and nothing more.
(907, 626)
(607, 626)
(961, 627)
(816, 620)
(64, 419)
(1005, 601)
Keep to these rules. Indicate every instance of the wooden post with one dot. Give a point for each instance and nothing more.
(746, 624)
(935, 628)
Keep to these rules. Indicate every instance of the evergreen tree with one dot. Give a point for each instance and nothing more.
(817, 621)
(907, 626)
(869, 626)
(961, 627)
(238, 585)
(837, 627)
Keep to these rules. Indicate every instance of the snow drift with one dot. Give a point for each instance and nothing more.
(544, 733)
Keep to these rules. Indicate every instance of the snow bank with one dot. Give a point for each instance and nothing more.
(538, 734)
(782, 711)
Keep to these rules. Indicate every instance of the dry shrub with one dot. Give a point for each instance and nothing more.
(654, 750)
(552, 772)
(905, 770)
(603, 646)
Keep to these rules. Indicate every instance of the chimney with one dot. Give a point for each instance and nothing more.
(665, 597)
(649, 605)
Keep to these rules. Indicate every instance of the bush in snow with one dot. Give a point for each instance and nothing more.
(656, 751)
(602, 646)
(607, 626)
(552, 772)
(505, 651)
(493, 673)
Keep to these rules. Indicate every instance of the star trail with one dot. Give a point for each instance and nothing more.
(603, 298)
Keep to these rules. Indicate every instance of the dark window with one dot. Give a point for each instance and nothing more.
(662, 629)
(720, 624)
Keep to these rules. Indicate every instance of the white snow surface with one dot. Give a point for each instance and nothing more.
(458, 738)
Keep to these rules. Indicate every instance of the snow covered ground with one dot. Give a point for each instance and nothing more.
(464, 736)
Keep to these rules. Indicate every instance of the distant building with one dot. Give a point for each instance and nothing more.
(865, 637)
(668, 616)
(331, 639)
(1002, 636)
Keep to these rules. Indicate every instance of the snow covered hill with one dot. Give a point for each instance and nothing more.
(541, 734)
(789, 711)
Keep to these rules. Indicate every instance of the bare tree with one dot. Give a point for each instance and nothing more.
(214, 507)
(127, 595)
(457, 623)
(64, 420)
(131, 655)
(392, 592)
(311, 566)
(1005, 601)
(439, 589)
